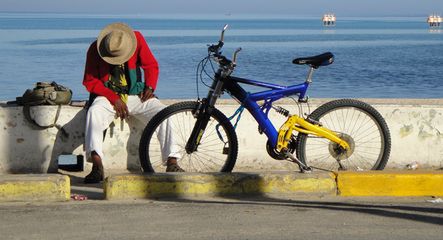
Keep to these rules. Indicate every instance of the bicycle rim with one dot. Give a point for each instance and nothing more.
(215, 152)
(362, 129)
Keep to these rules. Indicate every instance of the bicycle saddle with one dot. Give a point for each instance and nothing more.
(323, 59)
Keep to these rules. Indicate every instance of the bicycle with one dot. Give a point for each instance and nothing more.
(340, 134)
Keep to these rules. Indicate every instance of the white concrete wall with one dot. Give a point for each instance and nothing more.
(415, 126)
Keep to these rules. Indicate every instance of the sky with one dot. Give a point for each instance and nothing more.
(350, 8)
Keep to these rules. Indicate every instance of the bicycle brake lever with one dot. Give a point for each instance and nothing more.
(216, 48)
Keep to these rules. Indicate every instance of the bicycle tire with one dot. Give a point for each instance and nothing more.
(360, 124)
(181, 120)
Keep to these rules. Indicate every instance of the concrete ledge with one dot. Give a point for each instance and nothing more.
(217, 184)
(38, 187)
(27, 149)
(389, 183)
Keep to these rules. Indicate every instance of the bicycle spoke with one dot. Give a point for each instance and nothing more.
(209, 154)
(356, 123)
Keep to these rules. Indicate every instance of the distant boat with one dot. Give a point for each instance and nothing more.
(329, 19)
(434, 20)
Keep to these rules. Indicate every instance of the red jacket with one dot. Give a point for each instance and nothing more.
(97, 70)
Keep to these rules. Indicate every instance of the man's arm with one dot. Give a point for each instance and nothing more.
(147, 62)
(91, 79)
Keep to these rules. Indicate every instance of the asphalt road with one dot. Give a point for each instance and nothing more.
(226, 218)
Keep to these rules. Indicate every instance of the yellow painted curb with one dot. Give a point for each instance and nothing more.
(389, 183)
(34, 187)
(216, 184)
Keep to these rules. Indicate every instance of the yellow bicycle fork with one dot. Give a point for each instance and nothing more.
(299, 124)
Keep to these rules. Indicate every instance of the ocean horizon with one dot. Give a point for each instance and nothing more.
(375, 57)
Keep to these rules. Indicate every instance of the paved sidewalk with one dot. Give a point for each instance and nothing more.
(264, 217)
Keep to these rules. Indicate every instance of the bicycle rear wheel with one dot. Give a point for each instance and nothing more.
(360, 125)
(217, 151)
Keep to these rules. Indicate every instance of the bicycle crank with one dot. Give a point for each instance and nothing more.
(303, 167)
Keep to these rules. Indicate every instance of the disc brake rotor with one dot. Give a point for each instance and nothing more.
(339, 152)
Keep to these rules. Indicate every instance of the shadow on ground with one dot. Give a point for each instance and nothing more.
(91, 191)
(428, 214)
(393, 211)
(388, 210)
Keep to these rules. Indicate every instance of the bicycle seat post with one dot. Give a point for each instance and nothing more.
(310, 73)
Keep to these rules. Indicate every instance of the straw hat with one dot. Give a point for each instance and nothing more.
(116, 43)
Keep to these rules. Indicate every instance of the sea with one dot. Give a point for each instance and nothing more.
(386, 57)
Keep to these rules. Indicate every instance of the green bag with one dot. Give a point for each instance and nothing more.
(45, 94)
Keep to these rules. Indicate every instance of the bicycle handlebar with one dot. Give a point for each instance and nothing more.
(234, 57)
(226, 64)
(222, 37)
(216, 48)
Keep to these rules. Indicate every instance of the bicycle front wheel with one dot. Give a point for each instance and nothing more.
(360, 125)
(217, 151)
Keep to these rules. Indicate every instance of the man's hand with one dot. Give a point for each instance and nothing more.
(147, 94)
(121, 109)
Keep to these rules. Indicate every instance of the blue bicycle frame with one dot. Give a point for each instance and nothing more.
(223, 81)
(260, 113)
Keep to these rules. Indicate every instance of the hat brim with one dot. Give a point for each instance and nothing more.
(116, 60)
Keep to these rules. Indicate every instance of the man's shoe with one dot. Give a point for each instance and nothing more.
(96, 175)
(174, 168)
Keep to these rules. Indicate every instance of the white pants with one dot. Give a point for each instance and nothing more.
(101, 113)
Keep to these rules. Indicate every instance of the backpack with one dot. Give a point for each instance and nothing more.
(45, 94)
